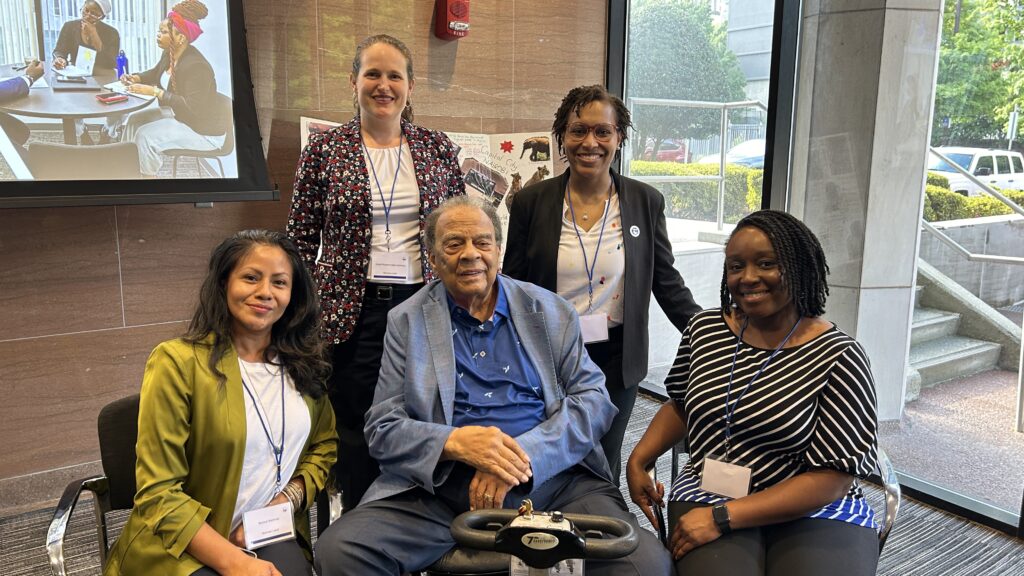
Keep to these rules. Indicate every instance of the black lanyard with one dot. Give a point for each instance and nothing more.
(391, 200)
(589, 268)
(729, 412)
(258, 406)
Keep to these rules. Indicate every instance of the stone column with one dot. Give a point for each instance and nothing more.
(863, 113)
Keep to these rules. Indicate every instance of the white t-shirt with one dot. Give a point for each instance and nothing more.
(403, 218)
(258, 484)
(608, 271)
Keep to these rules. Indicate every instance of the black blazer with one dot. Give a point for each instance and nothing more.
(531, 254)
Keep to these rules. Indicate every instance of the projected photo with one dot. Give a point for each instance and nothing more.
(116, 89)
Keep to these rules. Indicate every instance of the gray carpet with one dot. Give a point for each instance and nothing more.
(925, 541)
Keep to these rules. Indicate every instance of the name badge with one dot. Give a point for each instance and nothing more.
(268, 525)
(725, 479)
(594, 328)
(389, 266)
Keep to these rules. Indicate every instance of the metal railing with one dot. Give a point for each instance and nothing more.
(971, 256)
(724, 107)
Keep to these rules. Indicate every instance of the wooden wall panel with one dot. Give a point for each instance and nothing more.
(87, 292)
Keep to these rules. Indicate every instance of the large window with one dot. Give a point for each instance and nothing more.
(698, 84)
(960, 437)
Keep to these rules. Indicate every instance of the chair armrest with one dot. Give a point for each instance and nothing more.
(893, 496)
(99, 486)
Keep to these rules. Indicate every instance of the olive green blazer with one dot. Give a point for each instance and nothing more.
(189, 459)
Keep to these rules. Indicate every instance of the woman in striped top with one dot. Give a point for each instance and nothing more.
(778, 409)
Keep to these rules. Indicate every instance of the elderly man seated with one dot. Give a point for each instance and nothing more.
(486, 396)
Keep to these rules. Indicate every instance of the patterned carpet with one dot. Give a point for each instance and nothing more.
(924, 542)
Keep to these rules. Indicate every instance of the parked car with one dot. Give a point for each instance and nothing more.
(1000, 168)
(669, 151)
(749, 154)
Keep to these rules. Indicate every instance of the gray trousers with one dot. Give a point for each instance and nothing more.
(410, 531)
(805, 547)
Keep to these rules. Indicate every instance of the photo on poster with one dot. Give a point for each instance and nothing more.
(497, 166)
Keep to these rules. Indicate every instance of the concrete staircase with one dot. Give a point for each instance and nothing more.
(938, 353)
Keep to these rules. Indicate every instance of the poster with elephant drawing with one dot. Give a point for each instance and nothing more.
(497, 166)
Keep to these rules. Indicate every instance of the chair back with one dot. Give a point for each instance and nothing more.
(50, 161)
(118, 426)
(226, 107)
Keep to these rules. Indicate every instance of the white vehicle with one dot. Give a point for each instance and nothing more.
(1003, 169)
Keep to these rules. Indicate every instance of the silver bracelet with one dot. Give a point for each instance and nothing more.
(293, 491)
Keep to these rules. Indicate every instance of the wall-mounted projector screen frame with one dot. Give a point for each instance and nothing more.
(241, 173)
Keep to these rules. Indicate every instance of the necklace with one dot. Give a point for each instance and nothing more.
(583, 209)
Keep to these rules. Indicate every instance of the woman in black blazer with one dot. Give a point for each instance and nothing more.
(599, 239)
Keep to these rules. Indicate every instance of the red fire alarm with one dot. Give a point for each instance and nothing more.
(451, 19)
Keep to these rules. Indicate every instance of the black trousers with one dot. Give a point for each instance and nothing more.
(410, 531)
(804, 547)
(356, 364)
(287, 557)
(608, 357)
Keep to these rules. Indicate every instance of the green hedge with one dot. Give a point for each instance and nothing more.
(941, 204)
(936, 179)
(699, 200)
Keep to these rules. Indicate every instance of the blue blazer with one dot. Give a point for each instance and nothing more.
(411, 417)
(13, 88)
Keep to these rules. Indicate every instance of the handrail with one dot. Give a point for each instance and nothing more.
(1016, 260)
(724, 107)
(1013, 260)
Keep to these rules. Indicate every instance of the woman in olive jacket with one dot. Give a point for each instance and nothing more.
(245, 380)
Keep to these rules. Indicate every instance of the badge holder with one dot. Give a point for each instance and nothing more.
(729, 479)
(269, 525)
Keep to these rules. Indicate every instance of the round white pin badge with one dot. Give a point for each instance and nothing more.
(635, 231)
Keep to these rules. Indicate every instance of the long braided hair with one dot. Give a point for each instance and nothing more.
(800, 257)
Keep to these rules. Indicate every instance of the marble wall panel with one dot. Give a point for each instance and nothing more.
(162, 268)
(54, 388)
(558, 45)
(60, 271)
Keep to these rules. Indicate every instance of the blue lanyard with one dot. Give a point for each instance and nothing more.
(391, 200)
(589, 268)
(258, 406)
(730, 411)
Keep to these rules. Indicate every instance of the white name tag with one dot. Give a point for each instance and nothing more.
(594, 328)
(566, 567)
(268, 525)
(389, 266)
(725, 479)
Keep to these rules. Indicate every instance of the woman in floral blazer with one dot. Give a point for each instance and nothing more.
(363, 192)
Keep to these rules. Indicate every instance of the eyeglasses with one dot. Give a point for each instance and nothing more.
(86, 13)
(578, 131)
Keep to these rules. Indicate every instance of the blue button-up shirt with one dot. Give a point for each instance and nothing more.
(496, 384)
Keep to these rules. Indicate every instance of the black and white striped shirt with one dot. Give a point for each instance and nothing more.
(813, 406)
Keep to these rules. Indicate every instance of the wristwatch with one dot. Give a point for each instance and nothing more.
(721, 516)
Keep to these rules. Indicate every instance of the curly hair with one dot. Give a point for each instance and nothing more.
(579, 97)
(357, 64)
(295, 341)
(801, 260)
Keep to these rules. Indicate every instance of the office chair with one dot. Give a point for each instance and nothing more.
(225, 111)
(118, 427)
(48, 161)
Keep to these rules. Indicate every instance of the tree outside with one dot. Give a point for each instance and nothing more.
(981, 77)
(677, 52)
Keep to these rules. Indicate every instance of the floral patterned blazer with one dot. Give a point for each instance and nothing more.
(331, 209)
